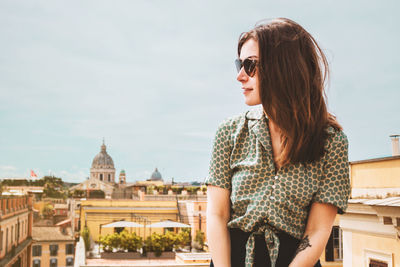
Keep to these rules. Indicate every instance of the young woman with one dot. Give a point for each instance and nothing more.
(278, 174)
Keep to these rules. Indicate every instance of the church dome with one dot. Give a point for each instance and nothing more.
(156, 176)
(103, 160)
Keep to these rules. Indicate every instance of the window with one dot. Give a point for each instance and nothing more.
(69, 249)
(53, 250)
(37, 250)
(7, 240)
(1, 240)
(53, 262)
(12, 234)
(101, 177)
(17, 232)
(109, 177)
(70, 262)
(36, 263)
(334, 247)
(376, 263)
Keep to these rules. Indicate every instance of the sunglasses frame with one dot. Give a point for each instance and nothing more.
(249, 65)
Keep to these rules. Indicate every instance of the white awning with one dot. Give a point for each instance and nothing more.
(168, 224)
(122, 224)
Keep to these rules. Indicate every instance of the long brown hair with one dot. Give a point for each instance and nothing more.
(292, 72)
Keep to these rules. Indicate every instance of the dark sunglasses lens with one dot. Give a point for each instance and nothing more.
(249, 66)
(238, 64)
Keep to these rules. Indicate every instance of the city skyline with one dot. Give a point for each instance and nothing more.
(155, 79)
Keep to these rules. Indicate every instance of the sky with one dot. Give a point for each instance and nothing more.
(154, 78)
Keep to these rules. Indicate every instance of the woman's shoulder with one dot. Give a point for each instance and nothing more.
(335, 134)
(336, 138)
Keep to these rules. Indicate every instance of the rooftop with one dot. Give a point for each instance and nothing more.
(51, 233)
(375, 159)
(390, 202)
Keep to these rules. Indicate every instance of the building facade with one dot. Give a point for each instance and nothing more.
(16, 221)
(371, 225)
(96, 213)
(52, 247)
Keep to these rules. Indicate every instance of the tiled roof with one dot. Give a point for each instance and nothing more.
(46, 233)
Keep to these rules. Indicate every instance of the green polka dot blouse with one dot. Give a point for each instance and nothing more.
(263, 201)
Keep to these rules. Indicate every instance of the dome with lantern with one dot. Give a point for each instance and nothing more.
(155, 176)
(103, 160)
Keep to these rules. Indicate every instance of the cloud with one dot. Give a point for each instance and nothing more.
(7, 168)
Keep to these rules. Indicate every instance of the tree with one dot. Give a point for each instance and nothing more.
(199, 240)
(86, 238)
(184, 237)
(48, 211)
(53, 187)
(97, 194)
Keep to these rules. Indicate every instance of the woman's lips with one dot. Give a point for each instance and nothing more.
(247, 90)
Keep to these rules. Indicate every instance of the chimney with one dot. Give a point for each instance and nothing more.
(395, 145)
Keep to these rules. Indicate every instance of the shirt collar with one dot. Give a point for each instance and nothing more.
(255, 113)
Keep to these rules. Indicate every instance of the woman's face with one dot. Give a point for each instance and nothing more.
(250, 86)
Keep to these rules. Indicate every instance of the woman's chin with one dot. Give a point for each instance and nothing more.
(251, 102)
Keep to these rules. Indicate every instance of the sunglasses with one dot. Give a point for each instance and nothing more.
(248, 64)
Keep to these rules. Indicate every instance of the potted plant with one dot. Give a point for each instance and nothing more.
(159, 246)
(105, 244)
(169, 241)
(183, 239)
(110, 243)
(199, 239)
(131, 243)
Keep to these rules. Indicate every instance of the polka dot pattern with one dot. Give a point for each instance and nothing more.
(264, 201)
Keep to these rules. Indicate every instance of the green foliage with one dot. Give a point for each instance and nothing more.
(162, 189)
(192, 189)
(97, 194)
(169, 241)
(153, 243)
(200, 237)
(48, 211)
(86, 237)
(183, 238)
(176, 189)
(53, 187)
(130, 241)
(121, 241)
(78, 193)
(149, 190)
(110, 241)
(12, 182)
(158, 243)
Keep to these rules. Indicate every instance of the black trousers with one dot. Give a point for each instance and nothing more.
(287, 248)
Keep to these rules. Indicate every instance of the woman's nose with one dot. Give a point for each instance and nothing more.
(242, 76)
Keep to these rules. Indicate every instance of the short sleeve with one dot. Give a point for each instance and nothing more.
(220, 172)
(335, 187)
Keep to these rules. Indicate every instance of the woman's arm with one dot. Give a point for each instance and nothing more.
(218, 214)
(318, 230)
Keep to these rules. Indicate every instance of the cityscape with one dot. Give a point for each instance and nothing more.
(110, 111)
(107, 221)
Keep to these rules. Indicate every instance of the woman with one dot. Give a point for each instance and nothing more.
(278, 174)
